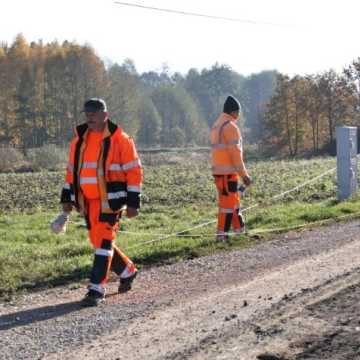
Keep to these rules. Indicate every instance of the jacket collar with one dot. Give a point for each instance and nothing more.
(223, 118)
(109, 129)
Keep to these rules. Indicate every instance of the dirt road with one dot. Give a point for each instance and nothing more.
(295, 297)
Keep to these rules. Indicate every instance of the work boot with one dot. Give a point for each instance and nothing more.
(126, 283)
(240, 230)
(222, 237)
(92, 298)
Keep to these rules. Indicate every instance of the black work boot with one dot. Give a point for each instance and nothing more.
(126, 283)
(222, 237)
(92, 298)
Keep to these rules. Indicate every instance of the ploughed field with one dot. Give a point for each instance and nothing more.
(171, 180)
(178, 194)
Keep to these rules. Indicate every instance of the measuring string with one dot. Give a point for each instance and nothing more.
(179, 233)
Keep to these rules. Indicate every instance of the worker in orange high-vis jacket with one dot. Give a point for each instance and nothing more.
(228, 168)
(103, 178)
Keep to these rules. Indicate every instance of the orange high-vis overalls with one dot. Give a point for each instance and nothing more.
(104, 174)
(227, 168)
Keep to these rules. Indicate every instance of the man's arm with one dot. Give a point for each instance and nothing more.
(67, 195)
(233, 138)
(133, 171)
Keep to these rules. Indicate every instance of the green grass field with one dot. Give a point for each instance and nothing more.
(177, 195)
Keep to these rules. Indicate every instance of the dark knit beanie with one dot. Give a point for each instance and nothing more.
(231, 104)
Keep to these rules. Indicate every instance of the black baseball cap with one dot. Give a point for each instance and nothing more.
(94, 105)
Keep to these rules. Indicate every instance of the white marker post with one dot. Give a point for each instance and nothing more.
(346, 150)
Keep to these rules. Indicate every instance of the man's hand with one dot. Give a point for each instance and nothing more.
(247, 180)
(131, 212)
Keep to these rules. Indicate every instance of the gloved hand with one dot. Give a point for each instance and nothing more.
(246, 180)
(58, 225)
(131, 212)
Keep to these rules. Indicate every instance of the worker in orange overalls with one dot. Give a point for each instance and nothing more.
(103, 177)
(227, 168)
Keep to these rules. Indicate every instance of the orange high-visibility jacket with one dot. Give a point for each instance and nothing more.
(226, 147)
(117, 173)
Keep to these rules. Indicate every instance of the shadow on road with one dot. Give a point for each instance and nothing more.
(27, 317)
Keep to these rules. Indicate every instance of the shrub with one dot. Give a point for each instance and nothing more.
(47, 157)
(10, 159)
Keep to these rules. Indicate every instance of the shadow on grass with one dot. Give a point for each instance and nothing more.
(203, 248)
(156, 258)
(163, 257)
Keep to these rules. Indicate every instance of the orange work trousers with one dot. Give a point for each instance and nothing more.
(229, 215)
(107, 255)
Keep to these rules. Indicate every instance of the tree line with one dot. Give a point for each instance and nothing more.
(304, 111)
(43, 88)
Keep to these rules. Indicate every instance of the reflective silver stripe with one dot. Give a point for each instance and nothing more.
(225, 146)
(116, 195)
(70, 167)
(104, 252)
(134, 188)
(219, 146)
(66, 186)
(127, 273)
(97, 288)
(105, 205)
(89, 165)
(131, 164)
(88, 180)
(225, 169)
(235, 142)
(226, 210)
(72, 197)
(115, 167)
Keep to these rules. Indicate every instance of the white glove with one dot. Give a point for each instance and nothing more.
(58, 225)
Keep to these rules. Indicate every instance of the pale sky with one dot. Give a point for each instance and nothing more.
(313, 36)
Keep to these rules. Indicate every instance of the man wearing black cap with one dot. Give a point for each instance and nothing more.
(228, 167)
(103, 178)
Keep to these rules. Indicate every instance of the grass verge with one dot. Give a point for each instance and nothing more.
(32, 257)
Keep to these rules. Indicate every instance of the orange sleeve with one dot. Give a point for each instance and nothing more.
(133, 172)
(67, 190)
(232, 137)
(70, 164)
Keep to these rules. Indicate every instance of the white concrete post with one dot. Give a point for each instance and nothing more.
(346, 150)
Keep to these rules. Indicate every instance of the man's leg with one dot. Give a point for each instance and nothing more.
(238, 222)
(123, 267)
(101, 237)
(225, 216)
(225, 212)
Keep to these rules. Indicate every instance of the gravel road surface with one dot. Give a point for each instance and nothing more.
(295, 297)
